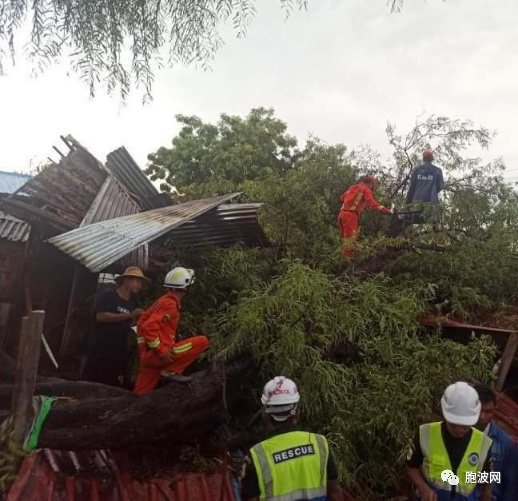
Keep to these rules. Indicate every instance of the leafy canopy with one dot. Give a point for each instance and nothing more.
(111, 41)
(347, 332)
(96, 35)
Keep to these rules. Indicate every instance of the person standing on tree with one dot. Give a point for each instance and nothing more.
(426, 182)
(290, 464)
(115, 311)
(354, 201)
(161, 355)
(448, 458)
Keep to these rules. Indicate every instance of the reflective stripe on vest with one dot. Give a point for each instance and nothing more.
(154, 344)
(141, 339)
(356, 201)
(436, 458)
(182, 348)
(292, 467)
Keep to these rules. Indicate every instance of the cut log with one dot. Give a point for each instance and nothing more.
(178, 413)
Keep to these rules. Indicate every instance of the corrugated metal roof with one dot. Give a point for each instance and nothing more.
(37, 480)
(225, 225)
(11, 181)
(98, 245)
(130, 175)
(13, 229)
(111, 202)
(82, 462)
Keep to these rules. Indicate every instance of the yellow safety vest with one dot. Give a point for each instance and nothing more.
(436, 458)
(292, 467)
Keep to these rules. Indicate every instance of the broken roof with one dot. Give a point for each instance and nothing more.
(77, 191)
(99, 245)
(13, 229)
(228, 224)
(61, 193)
(122, 165)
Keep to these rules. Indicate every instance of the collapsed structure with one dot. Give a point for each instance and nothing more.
(79, 217)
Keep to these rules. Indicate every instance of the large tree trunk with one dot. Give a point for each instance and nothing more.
(98, 416)
(52, 387)
(176, 414)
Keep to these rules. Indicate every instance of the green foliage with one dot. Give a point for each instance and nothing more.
(95, 34)
(476, 274)
(207, 160)
(300, 207)
(368, 375)
(347, 331)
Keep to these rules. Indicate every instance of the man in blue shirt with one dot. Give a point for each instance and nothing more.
(426, 182)
(504, 454)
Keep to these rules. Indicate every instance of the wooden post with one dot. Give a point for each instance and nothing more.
(507, 360)
(71, 302)
(26, 372)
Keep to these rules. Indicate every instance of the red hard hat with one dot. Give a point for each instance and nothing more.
(428, 154)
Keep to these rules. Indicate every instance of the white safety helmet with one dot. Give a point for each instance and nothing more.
(179, 278)
(280, 398)
(460, 404)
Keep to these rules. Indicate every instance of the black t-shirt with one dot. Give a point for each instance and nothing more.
(456, 448)
(110, 339)
(250, 483)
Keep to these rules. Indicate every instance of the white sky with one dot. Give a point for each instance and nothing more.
(339, 71)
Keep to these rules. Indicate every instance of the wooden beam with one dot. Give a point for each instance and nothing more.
(507, 360)
(21, 208)
(71, 302)
(26, 373)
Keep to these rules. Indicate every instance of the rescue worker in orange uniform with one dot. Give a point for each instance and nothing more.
(354, 201)
(160, 354)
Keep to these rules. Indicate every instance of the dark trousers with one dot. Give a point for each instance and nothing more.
(109, 371)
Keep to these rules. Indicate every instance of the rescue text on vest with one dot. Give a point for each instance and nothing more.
(293, 453)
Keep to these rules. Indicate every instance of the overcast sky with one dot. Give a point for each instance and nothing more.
(340, 71)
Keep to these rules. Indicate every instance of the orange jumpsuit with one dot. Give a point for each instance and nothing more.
(354, 201)
(156, 335)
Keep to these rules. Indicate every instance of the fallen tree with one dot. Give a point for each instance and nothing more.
(347, 332)
(178, 413)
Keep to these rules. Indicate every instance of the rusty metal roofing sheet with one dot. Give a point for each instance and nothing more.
(130, 175)
(225, 225)
(39, 479)
(11, 181)
(98, 245)
(13, 229)
(432, 321)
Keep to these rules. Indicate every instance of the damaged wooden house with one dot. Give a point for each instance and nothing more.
(78, 218)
